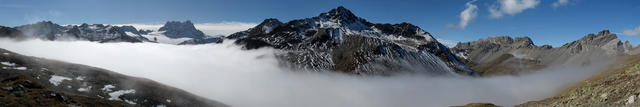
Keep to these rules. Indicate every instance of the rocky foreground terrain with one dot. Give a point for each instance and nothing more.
(31, 81)
(618, 87)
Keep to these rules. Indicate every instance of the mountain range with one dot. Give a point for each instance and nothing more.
(336, 40)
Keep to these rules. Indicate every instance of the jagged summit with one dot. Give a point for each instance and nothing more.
(498, 41)
(604, 40)
(599, 39)
(177, 29)
(341, 14)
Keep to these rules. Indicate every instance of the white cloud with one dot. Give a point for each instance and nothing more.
(560, 3)
(225, 73)
(632, 32)
(212, 29)
(511, 7)
(468, 14)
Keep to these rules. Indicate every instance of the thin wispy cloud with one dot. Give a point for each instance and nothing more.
(560, 3)
(45, 15)
(511, 7)
(468, 14)
(631, 32)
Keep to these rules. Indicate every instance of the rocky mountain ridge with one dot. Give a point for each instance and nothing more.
(498, 54)
(338, 40)
(96, 32)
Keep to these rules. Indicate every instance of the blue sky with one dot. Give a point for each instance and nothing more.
(552, 22)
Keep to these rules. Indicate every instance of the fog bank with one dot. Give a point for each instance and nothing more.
(252, 78)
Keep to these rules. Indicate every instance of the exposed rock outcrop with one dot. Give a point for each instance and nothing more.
(176, 29)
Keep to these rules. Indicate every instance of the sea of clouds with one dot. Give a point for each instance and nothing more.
(252, 78)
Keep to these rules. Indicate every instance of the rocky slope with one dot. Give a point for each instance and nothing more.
(96, 32)
(21, 90)
(617, 87)
(505, 55)
(339, 40)
(10, 32)
(30, 81)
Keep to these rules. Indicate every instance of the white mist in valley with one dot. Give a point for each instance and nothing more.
(253, 78)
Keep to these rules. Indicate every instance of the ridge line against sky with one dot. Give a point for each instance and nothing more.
(552, 22)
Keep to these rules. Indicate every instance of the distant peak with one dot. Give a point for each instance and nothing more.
(604, 32)
(188, 22)
(177, 29)
(45, 23)
(340, 13)
(270, 20)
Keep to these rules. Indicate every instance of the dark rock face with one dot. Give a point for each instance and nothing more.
(10, 32)
(204, 40)
(95, 32)
(43, 81)
(176, 29)
(490, 52)
(338, 40)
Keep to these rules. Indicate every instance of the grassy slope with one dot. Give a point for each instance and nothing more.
(611, 88)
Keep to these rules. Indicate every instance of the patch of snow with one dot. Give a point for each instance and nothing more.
(80, 78)
(20, 68)
(130, 102)
(69, 86)
(5, 67)
(44, 69)
(116, 94)
(55, 80)
(168, 101)
(84, 89)
(93, 27)
(131, 34)
(5, 53)
(8, 63)
(631, 99)
(462, 54)
(161, 106)
(108, 87)
(161, 38)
